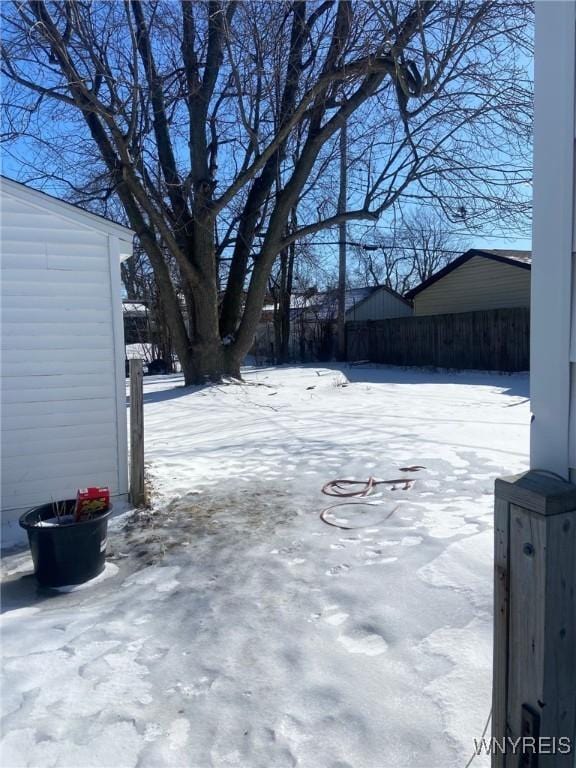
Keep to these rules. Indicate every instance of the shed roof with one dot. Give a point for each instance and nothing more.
(64, 208)
(521, 259)
(134, 307)
(324, 305)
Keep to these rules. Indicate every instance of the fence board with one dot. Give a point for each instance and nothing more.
(497, 339)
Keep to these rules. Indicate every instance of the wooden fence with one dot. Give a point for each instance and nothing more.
(493, 340)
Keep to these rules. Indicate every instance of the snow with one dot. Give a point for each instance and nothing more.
(134, 308)
(139, 351)
(233, 628)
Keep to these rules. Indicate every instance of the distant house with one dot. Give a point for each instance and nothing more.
(136, 322)
(313, 320)
(473, 314)
(63, 387)
(380, 303)
(477, 280)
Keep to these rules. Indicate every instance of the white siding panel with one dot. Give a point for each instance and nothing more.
(29, 419)
(36, 494)
(32, 314)
(17, 198)
(59, 463)
(53, 304)
(79, 356)
(63, 279)
(33, 489)
(58, 381)
(30, 258)
(73, 392)
(17, 229)
(478, 284)
(10, 205)
(40, 442)
(71, 263)
(54, 367)
(102, 404)
(59, 360)
(19, 245)
(28, 290)
(66, 330)
(53, 342)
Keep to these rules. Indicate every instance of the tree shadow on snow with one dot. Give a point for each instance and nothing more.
(163, 395)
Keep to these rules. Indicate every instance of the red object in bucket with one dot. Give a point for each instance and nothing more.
(91, 502)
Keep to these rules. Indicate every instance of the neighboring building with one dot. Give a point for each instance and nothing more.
(136, 322)
(473, 314)
(63, 386)
(381, 303)
(477, 280)
(324, 305)
(313, 320)
(553, 340)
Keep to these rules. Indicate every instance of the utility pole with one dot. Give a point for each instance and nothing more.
(342, 246)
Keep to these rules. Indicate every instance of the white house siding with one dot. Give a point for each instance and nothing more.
(553, 316)
(380, 305)
(63, 426)
(478, 284)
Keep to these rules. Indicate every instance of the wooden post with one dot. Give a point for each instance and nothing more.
(501, 605)
(137, 490)
(534, 621)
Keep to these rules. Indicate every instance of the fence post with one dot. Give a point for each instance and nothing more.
(137, 490)
(534, 680)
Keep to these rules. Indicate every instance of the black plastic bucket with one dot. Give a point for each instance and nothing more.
(69, 553)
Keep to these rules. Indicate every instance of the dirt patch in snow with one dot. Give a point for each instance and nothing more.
(244, 513)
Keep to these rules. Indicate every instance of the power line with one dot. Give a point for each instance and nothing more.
(372, 247)
(464, 232)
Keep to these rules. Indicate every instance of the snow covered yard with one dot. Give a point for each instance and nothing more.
(235, 629)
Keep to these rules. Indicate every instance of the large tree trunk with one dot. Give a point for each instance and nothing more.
(286, 280)
(212, 363)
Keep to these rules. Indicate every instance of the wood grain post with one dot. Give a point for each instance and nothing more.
(534, 683)
(137, 489)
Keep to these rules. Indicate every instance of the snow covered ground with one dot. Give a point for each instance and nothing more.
(233, 628)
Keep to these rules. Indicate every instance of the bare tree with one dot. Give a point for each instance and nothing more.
(380, 260)
(281, 289)
(420, 244)
(342, 244)
(190, 113)
(428, 247)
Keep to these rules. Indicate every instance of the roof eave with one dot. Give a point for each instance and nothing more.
(66, 209)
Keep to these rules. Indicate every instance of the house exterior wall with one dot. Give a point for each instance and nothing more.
(380, 305)
(63, 390)
(478, 284)
(553, 331)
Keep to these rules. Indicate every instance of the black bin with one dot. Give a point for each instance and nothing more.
(66, 554)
